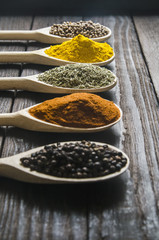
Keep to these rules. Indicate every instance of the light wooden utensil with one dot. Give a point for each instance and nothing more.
(39, 57)
(10, 167)
(31, 83)
(23, 119)
(41, 35)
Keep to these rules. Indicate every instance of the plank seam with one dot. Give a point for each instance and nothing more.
(3, 140)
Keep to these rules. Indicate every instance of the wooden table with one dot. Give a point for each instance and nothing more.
(126, 208)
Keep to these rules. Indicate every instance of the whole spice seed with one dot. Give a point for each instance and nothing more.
(75, 160)
(86, 28)
(81, 49)
(80, 76)
(77, 110)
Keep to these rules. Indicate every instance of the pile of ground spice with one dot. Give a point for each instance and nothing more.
(86, 28)
(79, 76)
(81, 110)
(81, 49)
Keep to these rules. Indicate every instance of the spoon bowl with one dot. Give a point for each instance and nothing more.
(10, 167)
(41, 35)
(23, 119)
(31, 83)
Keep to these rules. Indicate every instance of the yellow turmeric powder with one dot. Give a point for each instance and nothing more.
(81, 49)
(77, 110)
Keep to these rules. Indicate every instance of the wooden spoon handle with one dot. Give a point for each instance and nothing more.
(7, 83)
(17, 35)
(16, 57)
(9, 169)
(8, 119)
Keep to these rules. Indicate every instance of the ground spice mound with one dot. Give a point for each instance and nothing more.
(81, 110)
(81, 49)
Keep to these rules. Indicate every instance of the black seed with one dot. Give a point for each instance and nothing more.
(68, 166)
(90, 160)
(112, 168)
(43, 158)
(96, 158)
(80, 160)
(114, 162)
(25, 162)
(90, 165)
(79, 170)
(106, 172)
(85, 174)
(93, 145)
(75, 155)
(46, 147)
(83, 154)
(33, 154)
(41, 151)
(107, 155)
(93, 154)
(39, 162)
(73, 170)
(118, 166)
(79, 174)
(32, 167)
(85, 169)
(53, 162)
(62, 169)
(119, 154)
(97, 164)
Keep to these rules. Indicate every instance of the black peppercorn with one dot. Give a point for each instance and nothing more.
(75, 160)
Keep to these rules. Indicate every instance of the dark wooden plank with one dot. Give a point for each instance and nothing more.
(148, 34)
(8, 201)
(138, 102)
(57, 213)
(6, 98)
(125, 208)
(7, 23)
(131, 213)
(110, 204)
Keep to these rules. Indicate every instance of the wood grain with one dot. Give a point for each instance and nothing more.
(125, 208)
(138, 102)
(60, 218)
(148, 34)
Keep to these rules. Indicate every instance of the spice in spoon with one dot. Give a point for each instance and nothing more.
(79, 110)
(76, 160)
(81, 49)
(79, 76)
(86, 28)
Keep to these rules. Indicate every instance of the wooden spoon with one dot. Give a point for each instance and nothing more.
(41, 35)
(31, 83)
(10, 167)
(39, 57)
(23, 119)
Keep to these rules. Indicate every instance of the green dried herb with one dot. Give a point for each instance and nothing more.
(79, 76)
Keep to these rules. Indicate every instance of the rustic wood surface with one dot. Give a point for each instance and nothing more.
(125, 208)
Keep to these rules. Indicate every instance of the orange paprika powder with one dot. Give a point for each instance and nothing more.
(80, 110)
